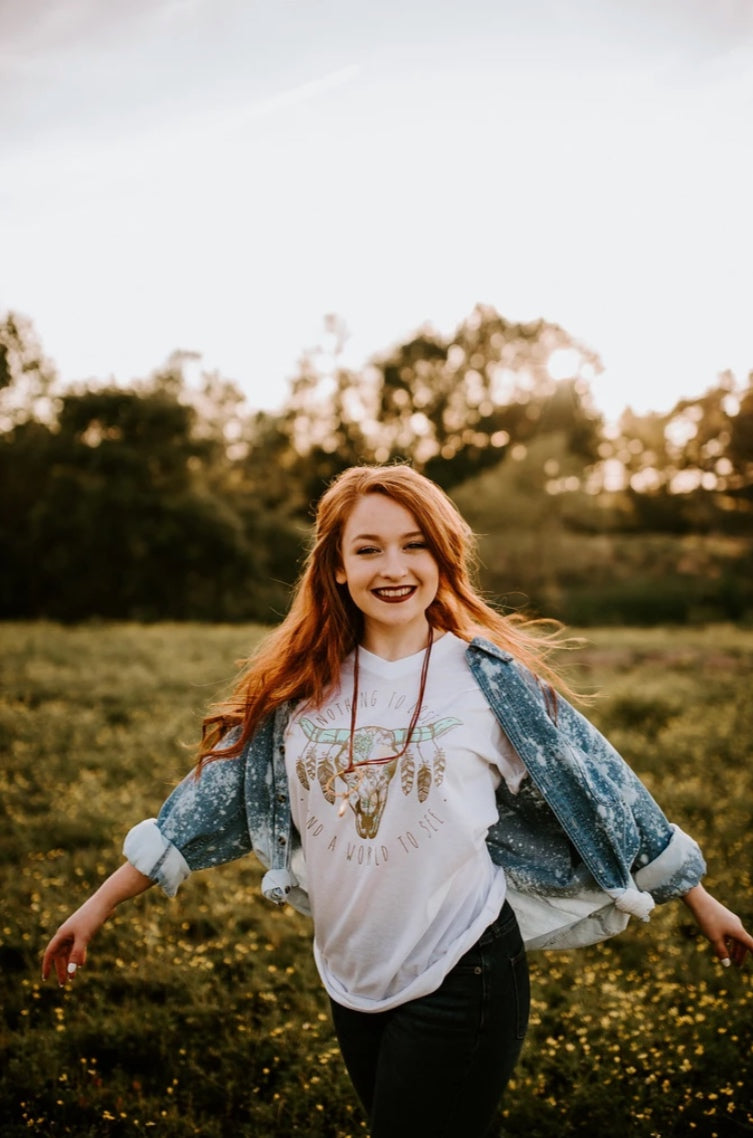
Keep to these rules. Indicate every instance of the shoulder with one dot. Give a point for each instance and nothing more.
(481, 648)
(494, 664)
(505, 679)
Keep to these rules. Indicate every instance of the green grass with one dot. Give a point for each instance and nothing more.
(204, 1015)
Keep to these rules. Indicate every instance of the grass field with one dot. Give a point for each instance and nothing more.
(204, 1015)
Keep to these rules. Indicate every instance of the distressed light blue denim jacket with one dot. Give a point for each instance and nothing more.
(583, 844)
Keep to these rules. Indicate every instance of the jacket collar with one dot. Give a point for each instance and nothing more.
(481, 644)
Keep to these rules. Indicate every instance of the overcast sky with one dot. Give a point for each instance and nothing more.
(216, 175)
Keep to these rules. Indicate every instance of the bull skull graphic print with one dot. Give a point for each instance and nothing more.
(375, 762)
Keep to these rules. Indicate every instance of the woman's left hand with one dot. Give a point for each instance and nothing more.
(723, 928)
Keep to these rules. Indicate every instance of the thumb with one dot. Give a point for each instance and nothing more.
(721, 950)
(76, 958)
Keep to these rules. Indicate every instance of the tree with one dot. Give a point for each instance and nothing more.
(117, 520)
(451, 405)
(463, 401)
(27, 378)
(740, 448)
(686, 470)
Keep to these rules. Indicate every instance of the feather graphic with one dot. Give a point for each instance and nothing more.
(326, 775)
(302, 773)
(407, 773)
(310, 760)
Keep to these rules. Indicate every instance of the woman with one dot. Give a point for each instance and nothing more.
(397, 758)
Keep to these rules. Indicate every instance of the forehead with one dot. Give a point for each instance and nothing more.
(376, 514)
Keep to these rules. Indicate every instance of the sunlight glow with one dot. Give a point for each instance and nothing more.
(564, 363)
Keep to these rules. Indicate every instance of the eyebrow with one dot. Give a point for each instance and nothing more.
(377, 537)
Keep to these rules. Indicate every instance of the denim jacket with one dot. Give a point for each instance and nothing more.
(583, 844)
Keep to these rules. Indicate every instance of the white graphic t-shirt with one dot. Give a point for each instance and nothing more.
(399, 876)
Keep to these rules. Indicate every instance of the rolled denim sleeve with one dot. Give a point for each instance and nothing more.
(203, 823)
(152, 854)
(677, 869)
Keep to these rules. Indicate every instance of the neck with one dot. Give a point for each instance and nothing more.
(396, 643)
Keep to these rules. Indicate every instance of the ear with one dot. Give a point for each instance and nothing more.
(340, 576)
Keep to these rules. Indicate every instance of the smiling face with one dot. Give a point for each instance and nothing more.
(390, 573)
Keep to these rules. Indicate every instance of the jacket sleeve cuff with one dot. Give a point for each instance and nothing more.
(152, 854)
(677, 869)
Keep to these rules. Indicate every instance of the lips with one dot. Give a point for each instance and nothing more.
(396, 594)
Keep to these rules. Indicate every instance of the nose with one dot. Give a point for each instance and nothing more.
(394, 564)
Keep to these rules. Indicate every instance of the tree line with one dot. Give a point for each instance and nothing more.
(172, 499)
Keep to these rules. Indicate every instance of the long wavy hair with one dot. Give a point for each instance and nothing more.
(301, 658)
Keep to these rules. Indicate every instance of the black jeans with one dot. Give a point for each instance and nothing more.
(436, 1067)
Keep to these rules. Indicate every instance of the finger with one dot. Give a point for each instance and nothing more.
(50, 954)
(66, 969)
(722, 951)
(735, 950)
(738, 951)
(56, 955)
(61, 966)
(67, 956)
(738, 943)
(74, 960)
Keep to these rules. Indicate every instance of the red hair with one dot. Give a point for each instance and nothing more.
(301, 659)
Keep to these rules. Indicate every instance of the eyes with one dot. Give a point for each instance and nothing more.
(413, 546)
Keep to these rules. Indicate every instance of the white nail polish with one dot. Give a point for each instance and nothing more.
(72, 968)
(726, 962)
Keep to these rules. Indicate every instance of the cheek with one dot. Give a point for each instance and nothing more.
(432, 570)
(347, 574)
(436, 580)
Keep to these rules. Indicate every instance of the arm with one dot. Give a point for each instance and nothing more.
(67, 949)
(723, 928)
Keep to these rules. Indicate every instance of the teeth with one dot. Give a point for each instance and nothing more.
(400, 592)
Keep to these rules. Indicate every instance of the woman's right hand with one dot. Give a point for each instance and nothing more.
(67, 948)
